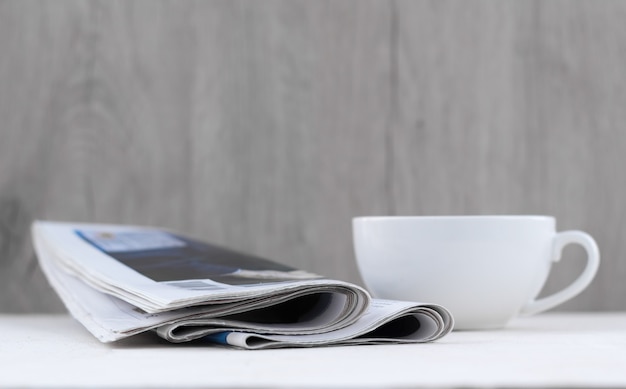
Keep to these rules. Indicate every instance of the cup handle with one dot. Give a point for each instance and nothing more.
(584, 279)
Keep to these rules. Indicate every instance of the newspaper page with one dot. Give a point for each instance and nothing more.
(157, 270)
(122, 280)
(385, 321)
(155, 265)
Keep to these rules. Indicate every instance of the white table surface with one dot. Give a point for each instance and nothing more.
(558, 350)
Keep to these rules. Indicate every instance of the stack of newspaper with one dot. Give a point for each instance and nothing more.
(119, 281)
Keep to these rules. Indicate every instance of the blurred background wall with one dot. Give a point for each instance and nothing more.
(267, 125)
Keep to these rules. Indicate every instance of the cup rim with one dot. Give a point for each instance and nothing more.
(454, 217)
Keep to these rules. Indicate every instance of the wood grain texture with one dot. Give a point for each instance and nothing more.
(266, 126)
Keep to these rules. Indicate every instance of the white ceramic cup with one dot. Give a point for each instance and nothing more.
(485, 269)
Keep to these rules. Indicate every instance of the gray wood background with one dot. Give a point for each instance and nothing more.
(268, 125)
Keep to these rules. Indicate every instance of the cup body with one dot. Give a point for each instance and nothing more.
(483, 268)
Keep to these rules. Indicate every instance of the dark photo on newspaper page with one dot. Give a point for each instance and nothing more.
(187, 263)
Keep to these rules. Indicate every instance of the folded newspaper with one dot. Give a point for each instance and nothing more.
(119, 281)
